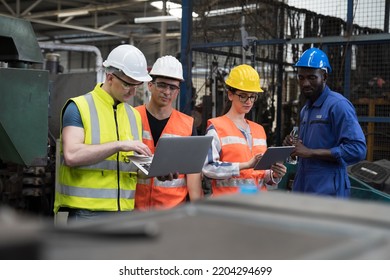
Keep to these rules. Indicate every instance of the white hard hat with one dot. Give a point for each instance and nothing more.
(167, 66)
(130, 60)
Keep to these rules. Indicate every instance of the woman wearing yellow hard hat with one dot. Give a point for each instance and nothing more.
(239, 143)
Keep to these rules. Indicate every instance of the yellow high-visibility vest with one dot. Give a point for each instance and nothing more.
(108, 185)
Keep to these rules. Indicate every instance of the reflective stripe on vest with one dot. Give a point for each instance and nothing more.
(259, 142)
(232, 140)
(133, 123)
(95, 120)
(96, 193)
(180, 182)
(235, 182)
(146, 135)
(239, 140)
(170, 135)
(108, 165)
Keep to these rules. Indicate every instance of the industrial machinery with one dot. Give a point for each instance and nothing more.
(262, 226)
(32, 96)
(25, 165)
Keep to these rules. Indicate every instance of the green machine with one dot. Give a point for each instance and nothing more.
(360, 190)
(24, 96)
(26, 170)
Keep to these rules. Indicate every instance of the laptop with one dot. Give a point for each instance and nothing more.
(185, 155)
(272, 155)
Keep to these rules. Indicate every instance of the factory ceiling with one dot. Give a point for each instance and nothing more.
(92, 22)
(106, 23)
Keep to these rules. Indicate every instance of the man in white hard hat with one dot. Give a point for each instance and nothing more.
(98, 131)
(159, 118)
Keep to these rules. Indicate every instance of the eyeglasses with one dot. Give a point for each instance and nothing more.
(164, 86)
(244, 97)
(126, 85)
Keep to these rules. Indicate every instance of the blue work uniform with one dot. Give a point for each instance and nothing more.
(329, 123)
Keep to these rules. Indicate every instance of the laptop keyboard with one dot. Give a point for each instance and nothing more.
(146, 166)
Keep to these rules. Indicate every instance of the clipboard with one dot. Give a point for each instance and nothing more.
(272, 155)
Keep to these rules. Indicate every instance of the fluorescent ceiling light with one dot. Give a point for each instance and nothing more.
(172, 8)
(155, 19)
(231, 10)
(73, 13)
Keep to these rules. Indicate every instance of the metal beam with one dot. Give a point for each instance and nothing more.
(26, 11)
(186, 57)
(87, 9)
(109, 24)
(374, 119)
(12, 12)
(88, 29)
(355, 39)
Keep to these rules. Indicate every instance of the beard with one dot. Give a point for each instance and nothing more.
(312, 93)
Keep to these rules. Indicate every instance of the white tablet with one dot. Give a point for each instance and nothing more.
(272, 155)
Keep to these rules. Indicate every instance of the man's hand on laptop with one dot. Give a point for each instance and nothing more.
(135, 145)
(169, 177)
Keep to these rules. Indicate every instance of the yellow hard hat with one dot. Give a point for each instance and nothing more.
(245, 78)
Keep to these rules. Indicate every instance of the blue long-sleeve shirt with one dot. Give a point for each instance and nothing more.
(329, 123)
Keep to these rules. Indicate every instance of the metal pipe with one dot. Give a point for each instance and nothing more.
(163, 31)
(243, 39)
(186, 57)
(387, 11)
(82, 48)
(348, 51)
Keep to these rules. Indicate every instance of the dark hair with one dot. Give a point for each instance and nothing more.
(232, 89)
(228, 103)
(226, 107)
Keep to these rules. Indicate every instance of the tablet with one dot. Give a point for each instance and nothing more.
(272, 155)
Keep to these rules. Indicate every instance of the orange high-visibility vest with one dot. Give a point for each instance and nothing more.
(151, 192)
(234, 148)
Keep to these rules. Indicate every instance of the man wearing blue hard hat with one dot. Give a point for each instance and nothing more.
(330, 136)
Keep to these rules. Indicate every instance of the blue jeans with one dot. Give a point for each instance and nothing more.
(82, 215)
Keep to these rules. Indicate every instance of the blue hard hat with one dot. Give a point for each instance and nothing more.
(314, 58)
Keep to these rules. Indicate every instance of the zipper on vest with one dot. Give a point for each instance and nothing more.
(117, 159)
